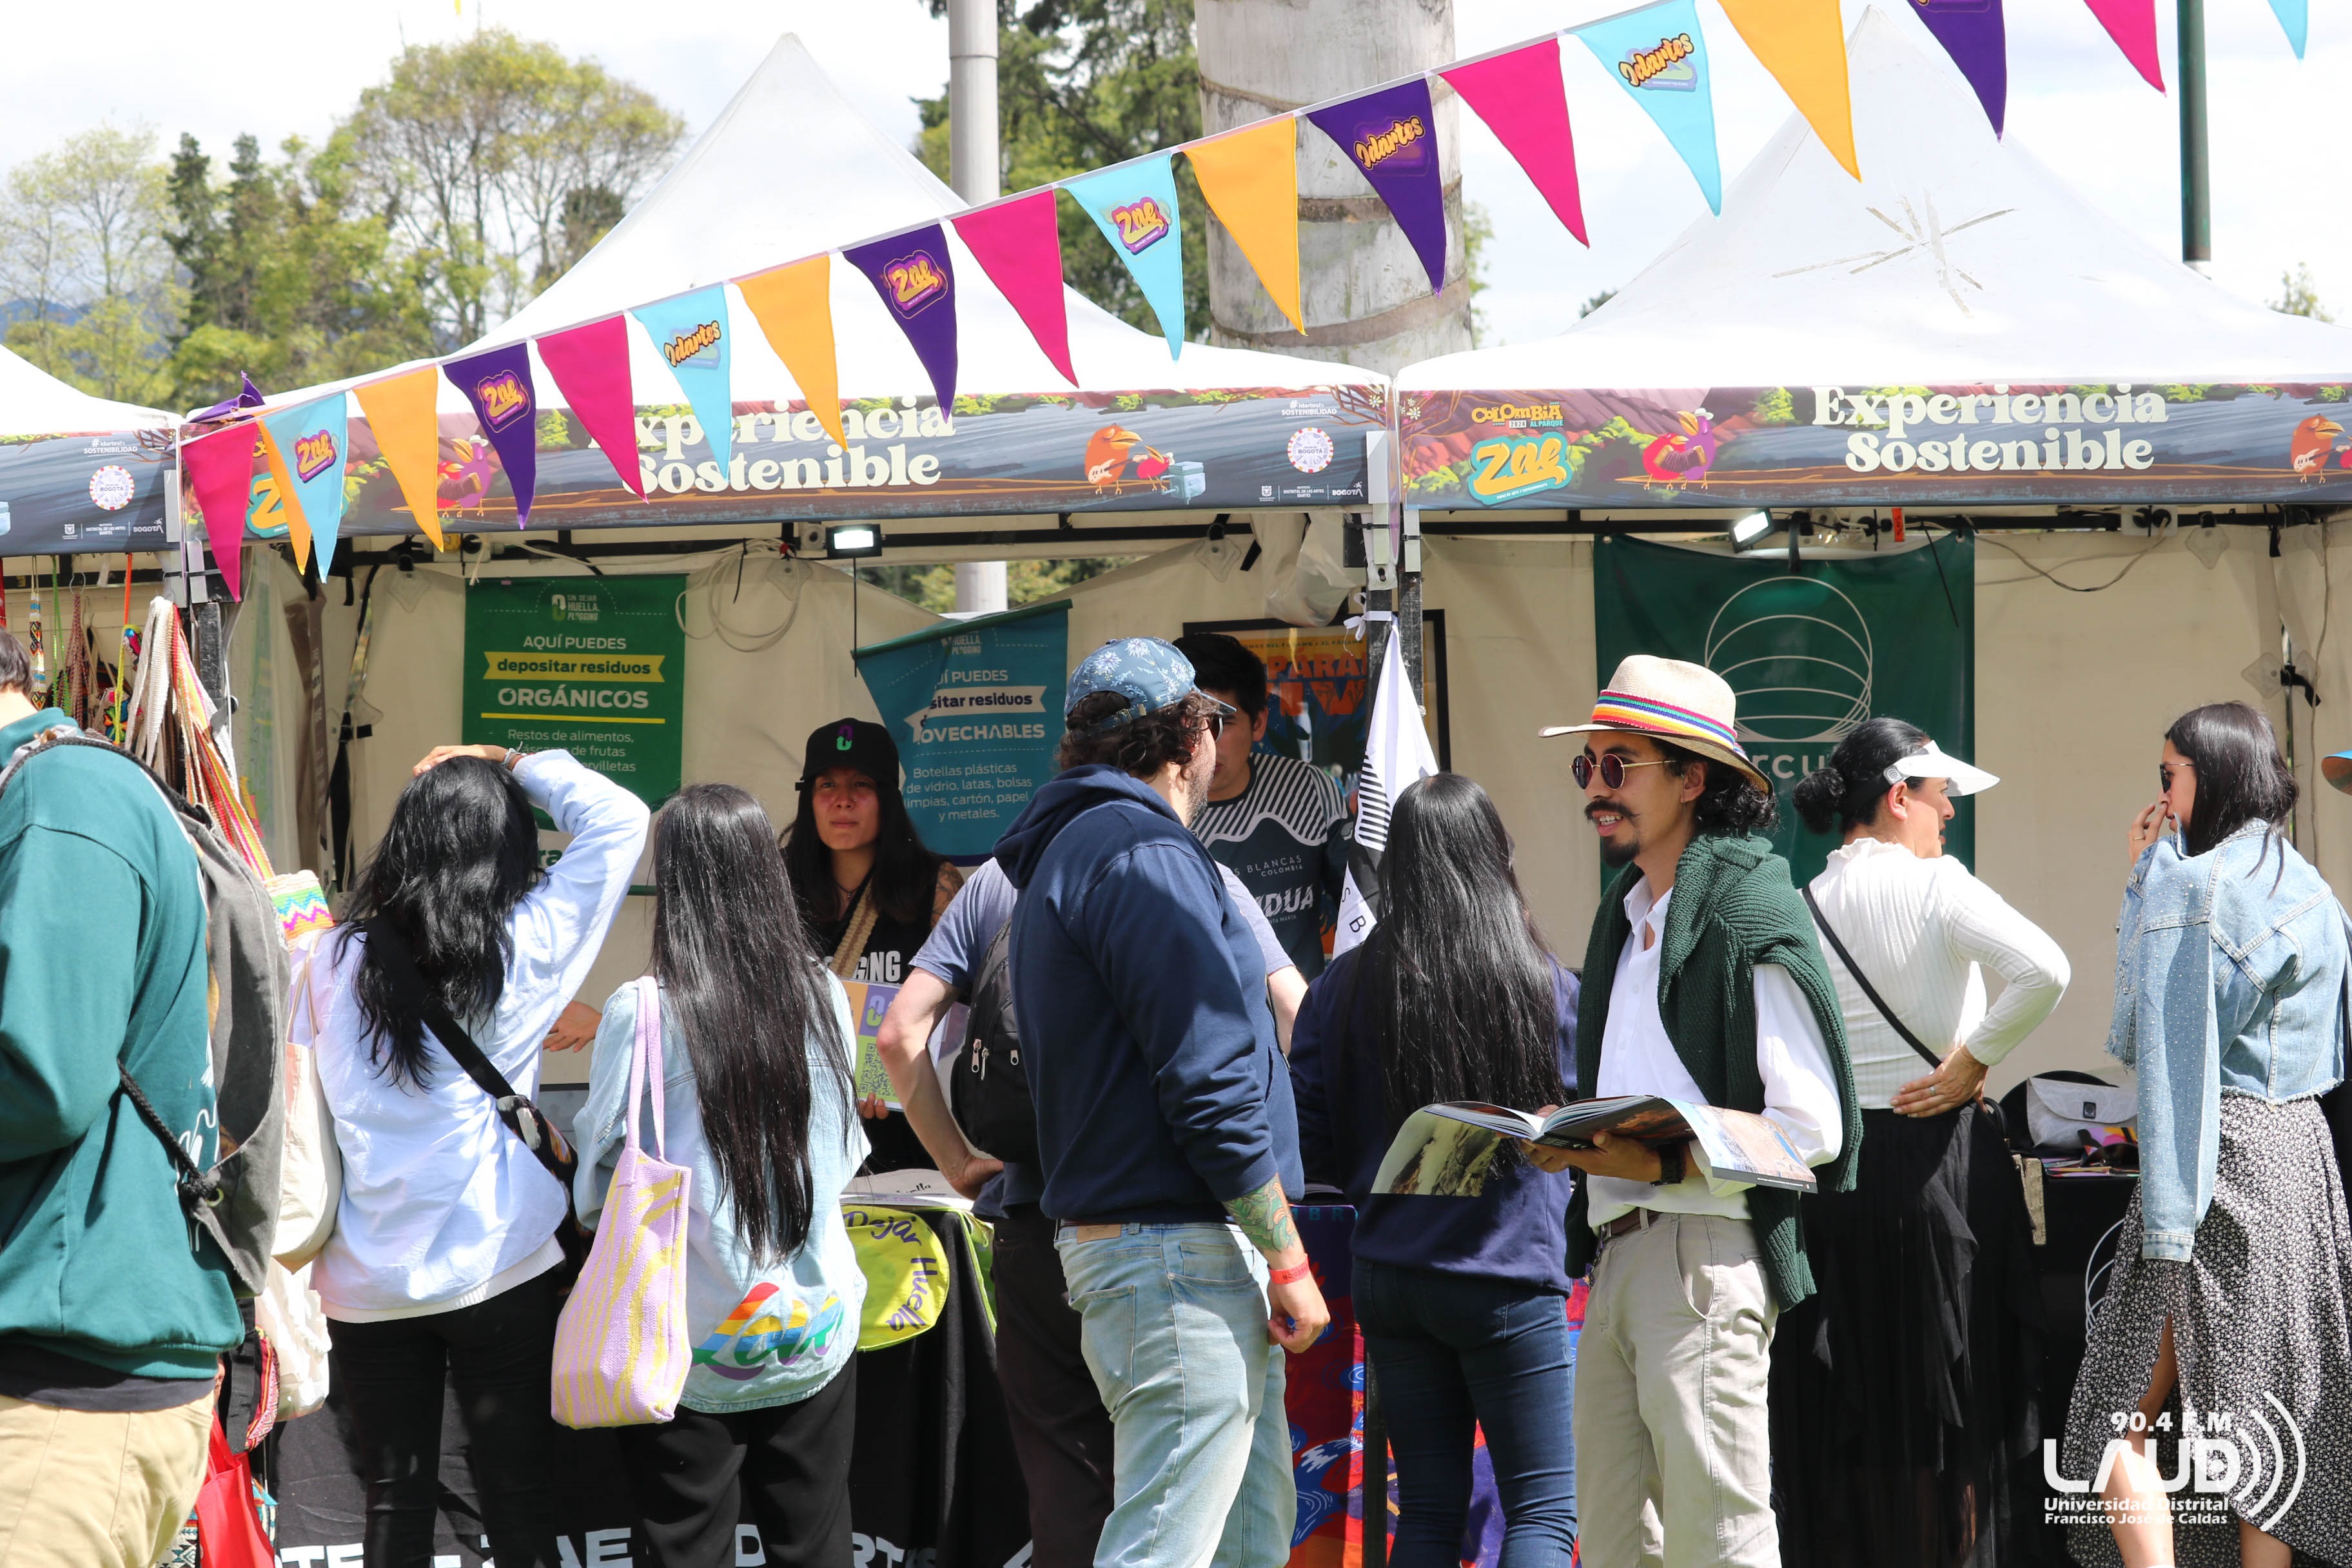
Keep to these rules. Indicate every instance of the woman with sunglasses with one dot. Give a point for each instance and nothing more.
(1903, 1392)
(2230, 1302)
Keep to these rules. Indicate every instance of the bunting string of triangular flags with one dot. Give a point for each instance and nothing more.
(1656, 53)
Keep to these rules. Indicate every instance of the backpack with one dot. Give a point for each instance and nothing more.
(236, 1202)
(991, 1087)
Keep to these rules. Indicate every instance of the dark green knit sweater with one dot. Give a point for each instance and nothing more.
(1733, 909)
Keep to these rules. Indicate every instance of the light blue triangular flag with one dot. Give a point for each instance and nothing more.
(314, 438)
(1135, 206)
(2295, 16)
(692, 333)
(1659, 56)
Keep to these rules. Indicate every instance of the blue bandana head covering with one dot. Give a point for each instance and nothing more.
(1150, 673)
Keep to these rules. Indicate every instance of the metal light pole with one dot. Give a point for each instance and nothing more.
(2196, 186)
(975, 170)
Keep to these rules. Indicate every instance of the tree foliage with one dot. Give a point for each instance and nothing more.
(498, 162)
(1080, 84)
(83, 264)
(2298, 297)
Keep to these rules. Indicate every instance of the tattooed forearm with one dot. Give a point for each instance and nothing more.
(1263, 1216)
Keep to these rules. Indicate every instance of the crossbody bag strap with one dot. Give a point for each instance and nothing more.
(1863, 980)
(861, 926)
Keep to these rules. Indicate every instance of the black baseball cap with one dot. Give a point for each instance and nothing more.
(852, 743)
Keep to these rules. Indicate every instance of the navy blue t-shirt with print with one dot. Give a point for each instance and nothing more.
(1286, 837)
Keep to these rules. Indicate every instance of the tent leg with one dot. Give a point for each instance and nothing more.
(1408, 597)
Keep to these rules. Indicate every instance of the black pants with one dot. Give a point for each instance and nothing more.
(1060, 1429)
(690, 1476)
(499, 1353)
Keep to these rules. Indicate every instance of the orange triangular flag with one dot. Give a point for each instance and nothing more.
(403, 418)
(298, 527)
(1250, 177)
(1802, 43)
(794, 305)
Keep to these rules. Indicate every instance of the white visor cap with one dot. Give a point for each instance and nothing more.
(1933, 764)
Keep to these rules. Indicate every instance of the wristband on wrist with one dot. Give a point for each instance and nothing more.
(1671, 1166)
(1289, 1275)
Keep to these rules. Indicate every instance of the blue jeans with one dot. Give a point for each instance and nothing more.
(1451, 1351)
(1172, 1322)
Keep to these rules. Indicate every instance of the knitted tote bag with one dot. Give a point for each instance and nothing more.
(621, 1346)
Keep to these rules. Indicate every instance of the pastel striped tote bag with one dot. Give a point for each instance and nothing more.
(621, 1346)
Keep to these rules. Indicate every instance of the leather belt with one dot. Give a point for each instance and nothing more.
(1628, 1223)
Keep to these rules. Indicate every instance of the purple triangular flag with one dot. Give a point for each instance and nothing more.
(1972, 33)
(498, 384)
(917, 283)
(247, 397)
(1392, 136)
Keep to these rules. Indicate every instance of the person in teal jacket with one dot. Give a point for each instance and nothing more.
(111, 1323)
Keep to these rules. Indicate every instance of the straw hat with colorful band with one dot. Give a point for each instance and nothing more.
(1685, 704)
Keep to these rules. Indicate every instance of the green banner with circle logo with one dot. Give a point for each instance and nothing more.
(1810, 654)
(595, 666)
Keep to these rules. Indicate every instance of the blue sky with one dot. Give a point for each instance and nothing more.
(279, 68)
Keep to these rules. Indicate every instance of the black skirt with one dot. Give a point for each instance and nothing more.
(1904, 1395)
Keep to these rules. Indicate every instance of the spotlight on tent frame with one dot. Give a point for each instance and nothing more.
(1748, 531)
(852, 541)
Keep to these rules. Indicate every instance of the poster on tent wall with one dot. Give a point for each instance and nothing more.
(1318, 691)
(1986, 444)
(1055, 452)
(976, 708)
(1810, 654)
(61, 495)
(595, 665)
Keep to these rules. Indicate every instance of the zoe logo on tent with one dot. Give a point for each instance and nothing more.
(504, 398)
(1667, 67)
(915, 282)
(1508, 469)
(701, 343)
(1399, 136)
(313, 454)
(1142, 224)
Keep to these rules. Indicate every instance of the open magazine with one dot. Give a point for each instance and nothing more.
(1452, 1150)
(867, 1002)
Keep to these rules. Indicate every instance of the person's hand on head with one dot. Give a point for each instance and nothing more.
(440, 754)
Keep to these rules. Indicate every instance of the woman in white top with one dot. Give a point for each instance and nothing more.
(438, 1267)
(1904, 1393)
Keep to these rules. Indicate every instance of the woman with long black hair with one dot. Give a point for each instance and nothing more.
(1463, 1302)
(438, 1268)
(869, 891)
(2228, 1315)
(757, 1100)
(1904, 1393)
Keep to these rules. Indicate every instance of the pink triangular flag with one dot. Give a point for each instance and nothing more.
(591, 367)
(2132, 25)
(220, 470)
(1520, 97)
(1019, 245)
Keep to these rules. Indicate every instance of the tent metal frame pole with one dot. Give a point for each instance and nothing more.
(2196, 174)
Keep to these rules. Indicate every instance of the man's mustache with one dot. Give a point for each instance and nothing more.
(1597, 806)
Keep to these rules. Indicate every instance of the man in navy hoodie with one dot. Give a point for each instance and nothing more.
(1164, 1120)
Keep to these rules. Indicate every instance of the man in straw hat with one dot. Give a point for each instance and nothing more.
(1702, 982)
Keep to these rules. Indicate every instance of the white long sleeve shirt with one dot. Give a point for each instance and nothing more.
(1801, 1093)
(1924, 931)
(442, 1205)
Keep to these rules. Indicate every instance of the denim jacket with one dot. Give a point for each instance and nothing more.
(2229, 979)
(763, 1333)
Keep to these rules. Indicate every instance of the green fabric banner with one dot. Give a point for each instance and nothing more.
(1811, 654)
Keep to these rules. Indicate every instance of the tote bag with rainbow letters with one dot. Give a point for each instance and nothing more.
(621, 1346)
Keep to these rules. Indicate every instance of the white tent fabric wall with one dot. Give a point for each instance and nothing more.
(34, 402)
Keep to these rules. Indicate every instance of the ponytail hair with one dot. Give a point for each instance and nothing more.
(1850, 789)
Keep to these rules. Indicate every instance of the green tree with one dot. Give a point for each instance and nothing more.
(1080, 84)
(286, 277)
(2298, 297)
(81, 255)
(497, 160)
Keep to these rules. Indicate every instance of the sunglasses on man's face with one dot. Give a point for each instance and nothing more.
(1223, 714)
(1612, 769)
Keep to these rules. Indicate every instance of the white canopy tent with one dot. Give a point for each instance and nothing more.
(34, 402)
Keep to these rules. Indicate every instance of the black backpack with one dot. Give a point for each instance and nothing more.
(992, 1086)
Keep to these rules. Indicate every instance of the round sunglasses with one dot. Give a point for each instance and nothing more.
(1612, 769)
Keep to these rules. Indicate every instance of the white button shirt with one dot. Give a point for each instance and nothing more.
(1800, 1094)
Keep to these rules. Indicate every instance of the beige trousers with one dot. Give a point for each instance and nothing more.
(88, 1490)
(1673, 1444)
